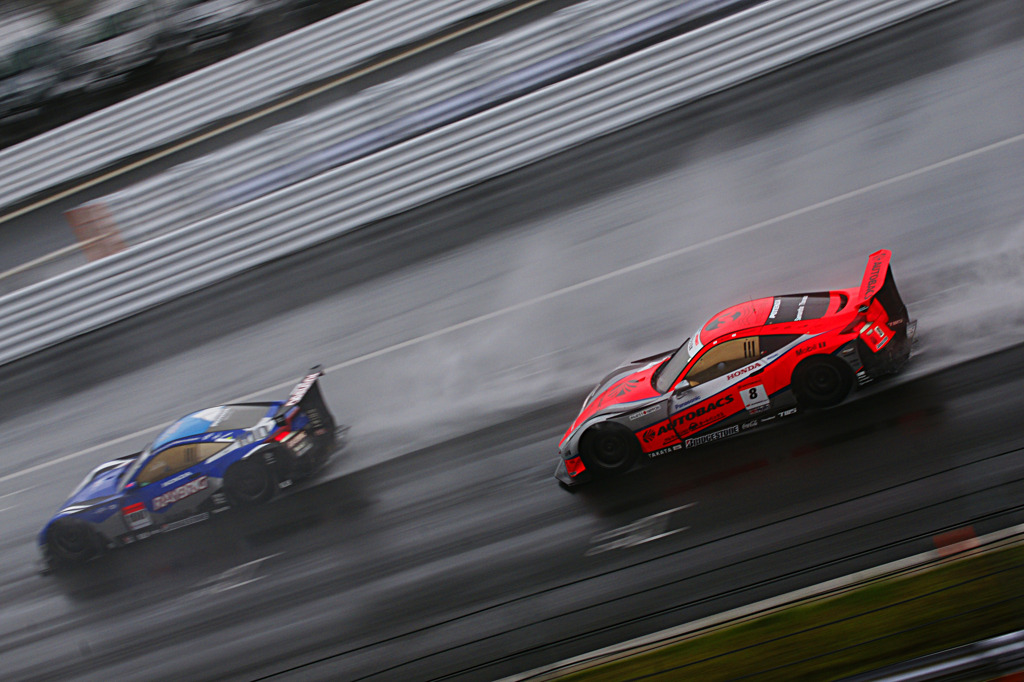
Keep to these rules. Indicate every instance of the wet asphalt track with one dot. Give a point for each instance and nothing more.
(425, 552)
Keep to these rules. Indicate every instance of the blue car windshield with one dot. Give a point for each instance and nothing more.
(129, 473)
(224, 418)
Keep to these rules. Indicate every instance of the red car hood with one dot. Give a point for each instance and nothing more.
(629, 384)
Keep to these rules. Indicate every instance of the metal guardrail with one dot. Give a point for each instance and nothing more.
(522, 131)
(442, 92)
(229, 88)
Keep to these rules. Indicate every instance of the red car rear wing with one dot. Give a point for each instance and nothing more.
(878, 284)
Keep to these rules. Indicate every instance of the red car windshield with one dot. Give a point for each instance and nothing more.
(667, 374)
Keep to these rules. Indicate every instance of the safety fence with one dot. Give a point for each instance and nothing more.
(567, 42)
(519, 132)
(232, 87)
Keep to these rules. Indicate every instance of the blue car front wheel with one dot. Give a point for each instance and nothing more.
(72, 541)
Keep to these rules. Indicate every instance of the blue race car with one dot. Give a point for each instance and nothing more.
(231, 455)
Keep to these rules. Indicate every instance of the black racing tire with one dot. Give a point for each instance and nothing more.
(249, 482)
(822, 381)
(608, 449)
(72, 541)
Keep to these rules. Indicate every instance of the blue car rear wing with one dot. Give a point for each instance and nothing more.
(307, 398)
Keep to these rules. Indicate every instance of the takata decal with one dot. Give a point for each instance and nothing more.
(717, 435)
(180, 493)
(643, 413)
(664, 451)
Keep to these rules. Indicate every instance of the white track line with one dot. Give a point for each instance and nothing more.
(1015, 139)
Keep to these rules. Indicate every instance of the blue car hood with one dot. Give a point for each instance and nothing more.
(99, 485)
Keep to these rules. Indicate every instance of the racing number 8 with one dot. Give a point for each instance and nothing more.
(755, 398)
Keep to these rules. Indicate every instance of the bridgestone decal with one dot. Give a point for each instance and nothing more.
(717, 435)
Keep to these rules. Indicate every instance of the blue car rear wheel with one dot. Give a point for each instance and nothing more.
(249, 482)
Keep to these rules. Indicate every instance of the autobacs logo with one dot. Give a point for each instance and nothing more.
(705, 409)
(876, 271)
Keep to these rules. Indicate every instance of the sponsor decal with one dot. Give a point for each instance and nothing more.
(810, 348)
(694, 345)
(868, 331)
(715, 324)
(188, 521)
(706, 409)
(643, 413)
(895, 323)
(653, 432)
(775, 309)
(744, 370)
(615, 392)
(627, 387)
(136, 516)
(748, 425)
(872, 284)
(665, 451)
(786, 413)
(691, 398)
(755, 398)
(180, 493)
(716, 435)
(800, 309)
(299, 392)
(255, 434)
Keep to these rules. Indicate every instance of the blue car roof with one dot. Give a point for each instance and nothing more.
(213, 420)
(189, 425)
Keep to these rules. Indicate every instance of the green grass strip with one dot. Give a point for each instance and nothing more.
(888, 621)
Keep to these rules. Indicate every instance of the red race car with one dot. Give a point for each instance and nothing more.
(747, 367)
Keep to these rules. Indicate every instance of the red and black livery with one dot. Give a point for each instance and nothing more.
(748, 366)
